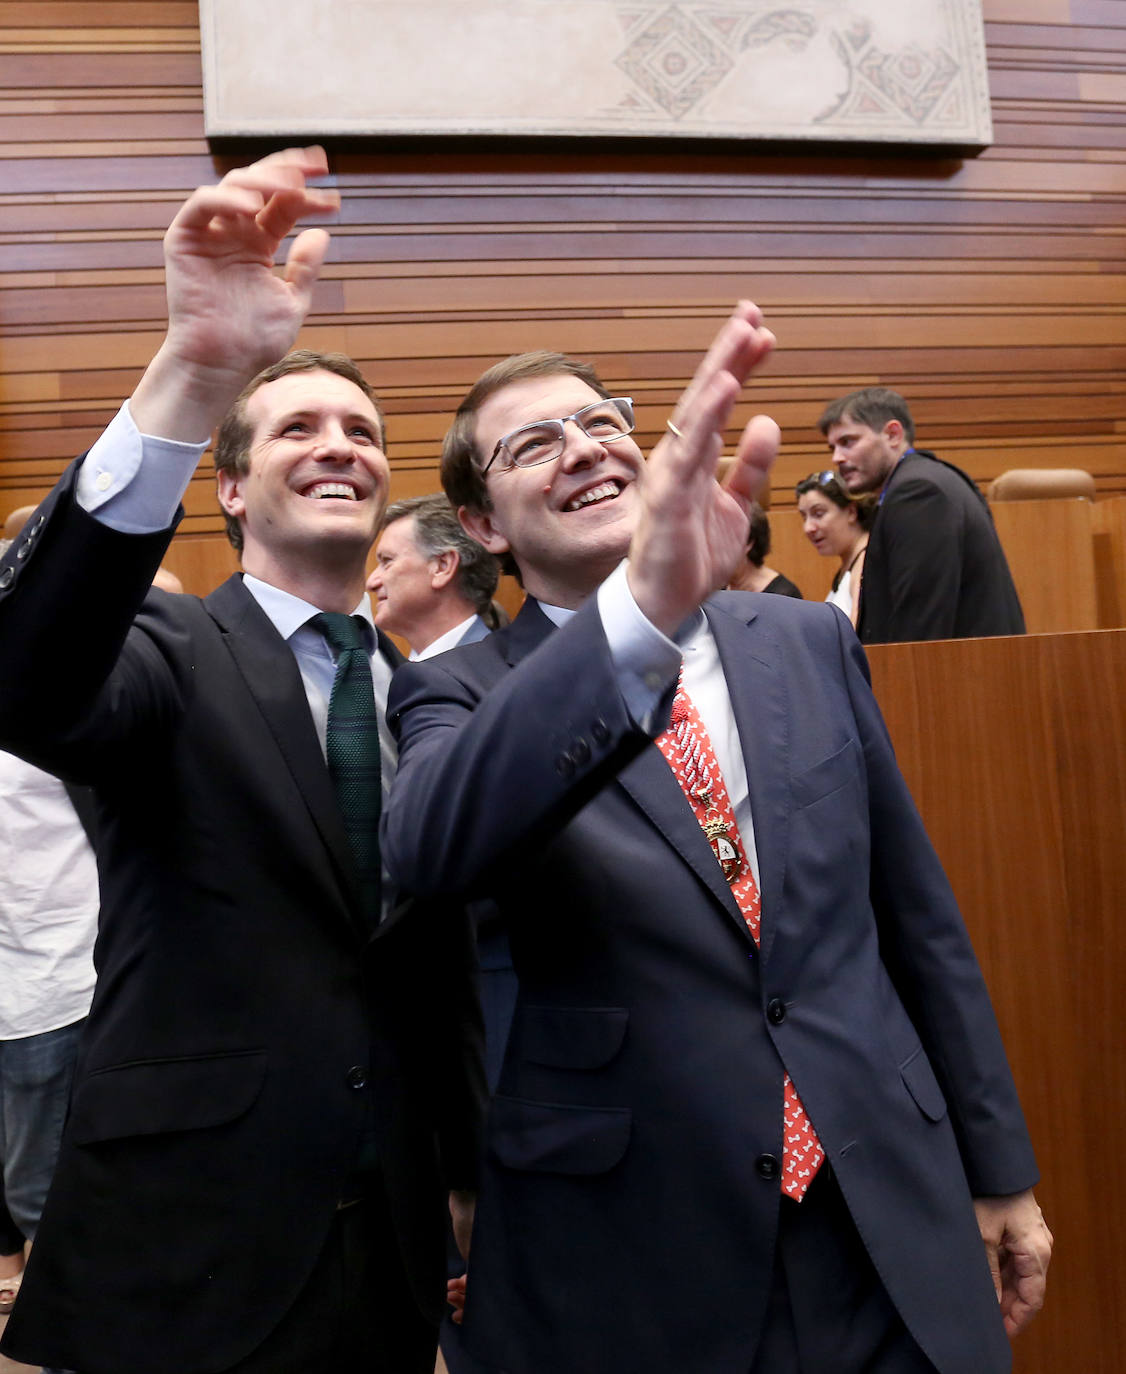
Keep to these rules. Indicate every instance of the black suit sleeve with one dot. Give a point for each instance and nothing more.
(70, 589)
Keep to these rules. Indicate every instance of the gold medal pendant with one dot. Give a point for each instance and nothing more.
(719, 837)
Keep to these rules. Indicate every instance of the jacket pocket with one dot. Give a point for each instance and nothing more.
(152, 1096)
(548, 1137)
(923, 1086)
(826, 777)
(571, 1037)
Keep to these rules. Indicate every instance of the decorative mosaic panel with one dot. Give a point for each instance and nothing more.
(871, 70)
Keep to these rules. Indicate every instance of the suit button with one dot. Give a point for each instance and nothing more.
(776, 1011)
(564, 765)
(600, 732)
(22, 551)
(357, 1078)
(580, 752)
(767, 1166)
(6, 578)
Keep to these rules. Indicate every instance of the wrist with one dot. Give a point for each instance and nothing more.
(182, 399)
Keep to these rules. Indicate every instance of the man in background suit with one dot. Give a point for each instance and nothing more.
(433, 585)
(754, 1113)
(280, 1072)
(934, 568)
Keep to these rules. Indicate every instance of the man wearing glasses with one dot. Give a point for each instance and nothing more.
(754, 1112)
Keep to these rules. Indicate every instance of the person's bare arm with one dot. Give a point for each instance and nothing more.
(229, 312)
(691, 531)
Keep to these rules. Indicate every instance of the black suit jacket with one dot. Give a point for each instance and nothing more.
(244, 1022)
(935, 568)
(630, 1198)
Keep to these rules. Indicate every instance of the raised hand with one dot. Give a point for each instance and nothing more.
(230, 313)
(691, 531)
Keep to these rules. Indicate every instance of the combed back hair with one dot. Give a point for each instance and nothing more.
(232, 444)
(461, 463)
(437, 530)
(758, 536)
(873, 406)
(865, 505)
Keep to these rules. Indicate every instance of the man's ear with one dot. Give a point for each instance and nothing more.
(228, 487)
(893, 433)
(479, 525)
(443, 568)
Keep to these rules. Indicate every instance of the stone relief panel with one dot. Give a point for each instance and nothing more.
(870, 70)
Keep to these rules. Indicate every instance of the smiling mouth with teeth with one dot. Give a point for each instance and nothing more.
(339, 491)
(605, 491)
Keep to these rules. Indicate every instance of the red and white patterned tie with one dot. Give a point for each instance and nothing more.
(688, 752)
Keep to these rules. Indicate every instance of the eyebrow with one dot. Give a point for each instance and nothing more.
(312, 413)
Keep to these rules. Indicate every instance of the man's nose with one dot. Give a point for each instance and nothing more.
(334, 442)
(580, 449)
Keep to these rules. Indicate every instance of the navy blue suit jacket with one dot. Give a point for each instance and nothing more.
(622, 1222)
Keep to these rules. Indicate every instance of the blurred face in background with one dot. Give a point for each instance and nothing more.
(831, 529)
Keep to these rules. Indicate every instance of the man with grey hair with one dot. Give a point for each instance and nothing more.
(433, 585)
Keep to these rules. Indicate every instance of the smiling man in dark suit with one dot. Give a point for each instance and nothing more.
(280, 1073)
(754, 1113)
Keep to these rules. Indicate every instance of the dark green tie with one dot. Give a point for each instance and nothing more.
(352, 749)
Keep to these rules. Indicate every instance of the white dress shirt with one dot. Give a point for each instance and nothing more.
(48, 904)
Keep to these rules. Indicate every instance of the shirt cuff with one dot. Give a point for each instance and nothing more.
(134, 482)
(646, 661)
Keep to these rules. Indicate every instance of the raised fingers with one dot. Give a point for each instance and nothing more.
(273, 190)
(758, 448)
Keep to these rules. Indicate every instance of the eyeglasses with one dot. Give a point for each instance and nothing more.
(526, 447)
(826, 478)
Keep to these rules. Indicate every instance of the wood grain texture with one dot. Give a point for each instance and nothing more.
(990, 290)
(1015, 751)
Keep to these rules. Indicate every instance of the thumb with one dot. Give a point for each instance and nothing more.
(303, 265)
(758, 448)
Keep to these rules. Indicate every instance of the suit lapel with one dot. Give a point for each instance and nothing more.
(274, 682)
(756, 687)
(654, 789)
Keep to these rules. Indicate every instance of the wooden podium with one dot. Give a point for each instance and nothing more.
(1015, 751)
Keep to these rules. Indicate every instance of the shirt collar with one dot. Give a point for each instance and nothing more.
(288, 613)
(450, 640)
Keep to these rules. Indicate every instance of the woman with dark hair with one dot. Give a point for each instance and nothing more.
(836, 523)
(753, 575)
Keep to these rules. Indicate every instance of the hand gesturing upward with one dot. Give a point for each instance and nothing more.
(691, 531)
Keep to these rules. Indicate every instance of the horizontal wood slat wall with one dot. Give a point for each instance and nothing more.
(991, 290)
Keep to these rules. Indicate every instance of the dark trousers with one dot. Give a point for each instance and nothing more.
(827, 1309)
(357, 1311)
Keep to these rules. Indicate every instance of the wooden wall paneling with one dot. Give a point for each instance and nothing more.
(1015, 750)
(201, 562)
(1051, 554)
(1108, 519)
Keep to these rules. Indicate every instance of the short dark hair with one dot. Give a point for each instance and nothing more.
(232, 444)
(758, 536)
(830, 485)
(461, 469)
(437, 530)
(873, 406)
